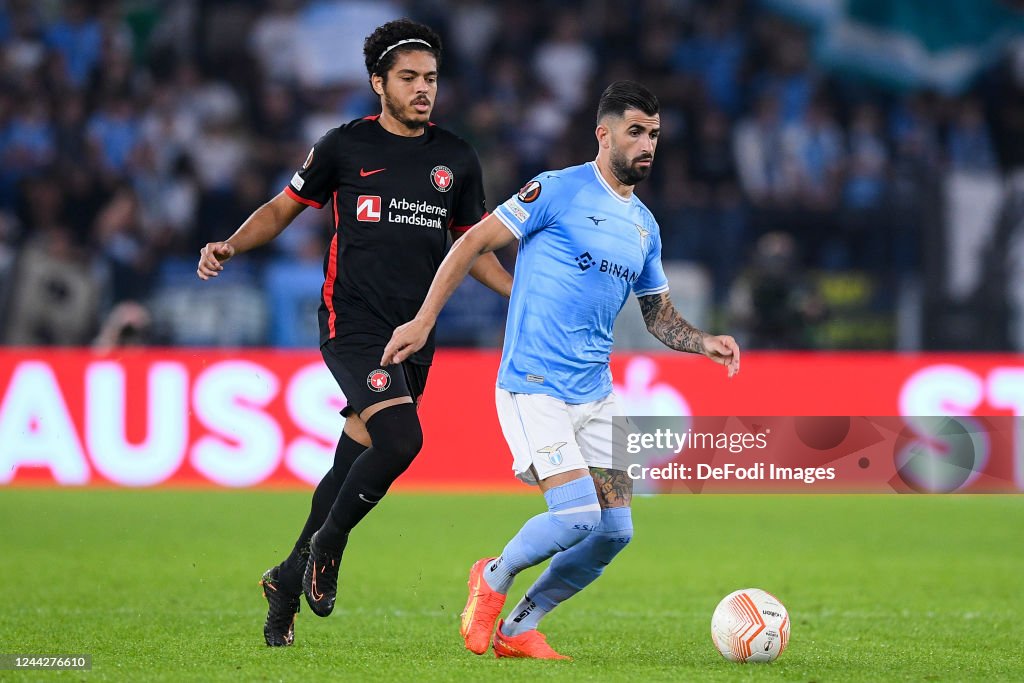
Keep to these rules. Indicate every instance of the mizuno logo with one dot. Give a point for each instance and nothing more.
(596, 219)
(367, 500)
(363, 173)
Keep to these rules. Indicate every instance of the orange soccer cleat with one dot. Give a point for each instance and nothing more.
(482, 609)
(532, 644)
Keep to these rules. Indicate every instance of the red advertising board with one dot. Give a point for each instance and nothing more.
(270, 418)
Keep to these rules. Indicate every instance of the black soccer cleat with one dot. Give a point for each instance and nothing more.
(320, 580)
(279, 628)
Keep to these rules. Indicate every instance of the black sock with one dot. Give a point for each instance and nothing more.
(397, 438)
(346, 453)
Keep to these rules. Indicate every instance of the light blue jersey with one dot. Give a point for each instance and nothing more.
(582, 249)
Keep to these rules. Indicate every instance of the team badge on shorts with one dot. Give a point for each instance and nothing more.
(378, 380)
(554, 452)
(442, 178)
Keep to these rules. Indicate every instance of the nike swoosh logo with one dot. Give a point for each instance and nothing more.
(363, 173)
(470, 609)
(318, 596)
(367, 500)
(467, 615)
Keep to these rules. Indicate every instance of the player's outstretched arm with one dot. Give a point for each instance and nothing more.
(488, 271)
(486, 236)
(265, 223)
(672, 330)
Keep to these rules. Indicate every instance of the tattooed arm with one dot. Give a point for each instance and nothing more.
(668, 327)
(665, 323)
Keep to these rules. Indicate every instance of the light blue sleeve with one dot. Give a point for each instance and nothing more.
(530, 210)
(652, 279)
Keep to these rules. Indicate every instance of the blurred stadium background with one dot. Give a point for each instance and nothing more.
(834, 174)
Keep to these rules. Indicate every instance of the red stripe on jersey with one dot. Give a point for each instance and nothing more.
(301, 200)
(332, 275)
(336, 223)
(464, 228)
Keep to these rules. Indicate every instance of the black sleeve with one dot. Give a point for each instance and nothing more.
(469, 207)
(318, 178)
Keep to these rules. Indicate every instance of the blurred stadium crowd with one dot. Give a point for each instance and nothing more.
(797, 205)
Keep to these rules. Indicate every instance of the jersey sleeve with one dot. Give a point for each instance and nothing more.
(470, 207)
(652, 278)
(531, 209)
(313, 184)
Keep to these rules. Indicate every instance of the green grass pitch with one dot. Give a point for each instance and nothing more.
(162, 585)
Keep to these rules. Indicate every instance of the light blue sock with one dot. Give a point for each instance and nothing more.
(573, 512)
(572, 571)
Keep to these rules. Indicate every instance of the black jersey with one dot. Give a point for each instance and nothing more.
(396, 200)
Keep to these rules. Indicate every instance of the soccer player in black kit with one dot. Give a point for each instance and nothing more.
(402, 188)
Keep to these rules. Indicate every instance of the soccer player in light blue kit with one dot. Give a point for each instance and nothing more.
(585, 242)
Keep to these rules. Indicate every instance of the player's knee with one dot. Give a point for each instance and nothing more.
(615, 541)
(355, 429)
(576, 525)
(615, 532)
(404, 445)
(396, 431)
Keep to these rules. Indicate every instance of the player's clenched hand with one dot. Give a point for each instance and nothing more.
(724, 350)
(212, 258)
(406, 340)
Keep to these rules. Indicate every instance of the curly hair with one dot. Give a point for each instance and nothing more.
(380, 51)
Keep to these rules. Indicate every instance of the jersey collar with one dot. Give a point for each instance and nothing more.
(605, 185)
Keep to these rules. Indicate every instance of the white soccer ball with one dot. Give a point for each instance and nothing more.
(750, 625)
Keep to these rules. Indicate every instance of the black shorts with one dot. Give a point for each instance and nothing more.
(364, 382)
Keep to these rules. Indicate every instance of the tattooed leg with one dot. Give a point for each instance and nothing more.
(614, 487)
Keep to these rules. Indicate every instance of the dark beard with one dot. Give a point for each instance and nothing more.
(625, 173)
(395, 112)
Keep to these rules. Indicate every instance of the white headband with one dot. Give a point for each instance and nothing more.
(403, 42)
